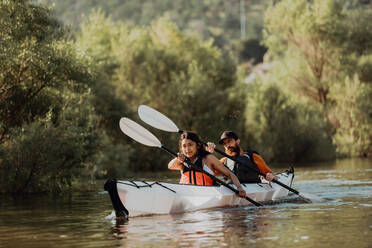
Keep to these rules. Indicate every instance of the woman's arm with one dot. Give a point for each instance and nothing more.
(217, 165)
(177, 163)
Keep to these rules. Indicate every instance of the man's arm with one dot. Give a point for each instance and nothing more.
(261, 164)
(216, 165)
(263, 167)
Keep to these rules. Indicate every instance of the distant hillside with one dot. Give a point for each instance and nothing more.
(224, 21)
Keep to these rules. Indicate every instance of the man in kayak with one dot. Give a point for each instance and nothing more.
(230, 142)
(192, 149)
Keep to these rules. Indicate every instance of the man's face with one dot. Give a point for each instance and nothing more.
(230, 145)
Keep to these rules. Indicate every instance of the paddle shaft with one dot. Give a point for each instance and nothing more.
(212, 176)
(259, 172)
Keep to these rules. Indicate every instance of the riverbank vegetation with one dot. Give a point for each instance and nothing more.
(296, 85)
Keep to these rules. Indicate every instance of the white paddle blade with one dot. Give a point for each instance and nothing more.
(138, 133)
(156, 119)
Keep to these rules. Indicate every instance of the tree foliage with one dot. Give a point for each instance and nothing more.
(179, 75)
(97, 40)
(48, 129)
(44, 157)
(326, 49)
(284, 130)
(36, 65)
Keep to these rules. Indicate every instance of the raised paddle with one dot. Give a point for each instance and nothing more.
(143, 136)
(160, 121)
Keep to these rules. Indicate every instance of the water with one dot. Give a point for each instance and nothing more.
(344, 219)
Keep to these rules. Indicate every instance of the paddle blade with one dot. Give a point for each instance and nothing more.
(138, 133)
(156, 119)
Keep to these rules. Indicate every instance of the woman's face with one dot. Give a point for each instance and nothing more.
(189, 148)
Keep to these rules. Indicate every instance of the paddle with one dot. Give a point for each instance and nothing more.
(143, 136)
(160, 121)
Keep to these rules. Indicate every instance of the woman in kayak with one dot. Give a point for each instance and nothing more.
(192, 149)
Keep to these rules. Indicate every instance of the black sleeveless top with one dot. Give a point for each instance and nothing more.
(246, 170)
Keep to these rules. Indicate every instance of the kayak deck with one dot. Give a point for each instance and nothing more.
(148, 197)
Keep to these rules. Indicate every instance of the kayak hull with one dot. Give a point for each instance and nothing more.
(134, 198)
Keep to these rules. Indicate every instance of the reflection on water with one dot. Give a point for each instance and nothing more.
(83, 220)
(195, 229)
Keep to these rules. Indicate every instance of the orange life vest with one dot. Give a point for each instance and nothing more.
(192, 176)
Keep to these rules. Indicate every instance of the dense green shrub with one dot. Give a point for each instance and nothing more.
(47, 157)
(283, 130)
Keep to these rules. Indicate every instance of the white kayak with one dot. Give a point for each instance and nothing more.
(134, 198)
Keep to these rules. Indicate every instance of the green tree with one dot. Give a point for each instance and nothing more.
(48, 128)
(283, 130)
(325, 49)
(97, 40)
(49, 156)
(188, 80)
(178, 75)
(37, 65)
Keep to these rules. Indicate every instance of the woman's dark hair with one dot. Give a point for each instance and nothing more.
(194, 137)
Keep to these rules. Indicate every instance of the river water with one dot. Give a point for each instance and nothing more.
(343, 219)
